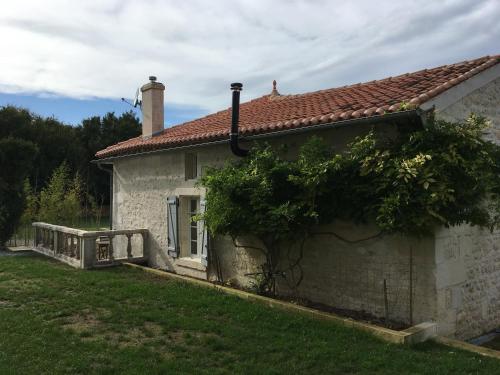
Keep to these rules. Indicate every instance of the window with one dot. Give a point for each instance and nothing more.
(193, 227)
(187, 238)
(190, 166)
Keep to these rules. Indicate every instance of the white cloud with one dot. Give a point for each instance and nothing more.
(108, 48)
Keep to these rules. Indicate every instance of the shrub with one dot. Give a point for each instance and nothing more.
(444, 174)
(61, 199)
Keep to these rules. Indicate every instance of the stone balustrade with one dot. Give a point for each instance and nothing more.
(90, 249)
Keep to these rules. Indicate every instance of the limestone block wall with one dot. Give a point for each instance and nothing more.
(351, 276)
(467, 281)
(141, 186)
(484, 101)
(467, 258)
(236, 263)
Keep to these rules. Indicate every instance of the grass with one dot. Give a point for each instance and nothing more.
(91, 224)
(55, 319)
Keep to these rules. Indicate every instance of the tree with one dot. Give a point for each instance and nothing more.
(55, 141)
(16, 158)
(442, 175)
(61, 200)
(74, 145)
(30, 213)
(96, 133)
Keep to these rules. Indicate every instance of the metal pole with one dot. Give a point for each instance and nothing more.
(411, 285)
(386, 303)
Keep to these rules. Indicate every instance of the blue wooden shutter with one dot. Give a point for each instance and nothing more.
(173, 226)
(204, 236)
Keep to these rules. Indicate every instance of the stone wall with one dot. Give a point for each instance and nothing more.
(467, 258)
(484, 101)
(467, 281)
(141, 187)
(349, 275)
(142, 184)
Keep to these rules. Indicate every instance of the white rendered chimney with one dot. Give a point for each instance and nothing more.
(152, 108)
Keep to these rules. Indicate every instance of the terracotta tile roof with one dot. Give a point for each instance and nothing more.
(277, 112)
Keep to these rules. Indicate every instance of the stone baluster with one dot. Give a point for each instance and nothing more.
(62, 238)
(65, 245)
(89, 252)
(71, 252)
(57, 239)
(78, 248)
(143, 235)
(129, 244)
(111, 250)
(51, 242)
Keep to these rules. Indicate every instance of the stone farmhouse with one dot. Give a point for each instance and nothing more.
(452, 277)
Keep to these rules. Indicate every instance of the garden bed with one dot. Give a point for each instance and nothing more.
(362, 316)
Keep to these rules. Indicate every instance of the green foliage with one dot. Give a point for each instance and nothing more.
(444, 174)
(75, 145)
(96, 133)
(95, 210)
(16, 157)
(57, 143)
(61, 200)
(30, 213)
(256, 196)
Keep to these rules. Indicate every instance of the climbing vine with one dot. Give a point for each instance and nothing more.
(441, 175)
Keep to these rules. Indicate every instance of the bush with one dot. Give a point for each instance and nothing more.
(442, 175)
(16, 158)
(61, 199)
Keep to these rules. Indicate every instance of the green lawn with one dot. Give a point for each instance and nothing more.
(55, 319)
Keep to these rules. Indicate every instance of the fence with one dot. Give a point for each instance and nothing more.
(23, 236)
(90, 249)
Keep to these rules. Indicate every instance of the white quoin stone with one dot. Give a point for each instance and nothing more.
(152, 108)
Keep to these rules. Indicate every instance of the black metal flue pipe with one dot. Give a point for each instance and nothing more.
(235, 118)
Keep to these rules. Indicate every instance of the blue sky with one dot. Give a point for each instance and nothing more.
(75, 59)
(72, 111)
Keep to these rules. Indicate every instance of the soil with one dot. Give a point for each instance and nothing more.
(358, 315)
(361, 316)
